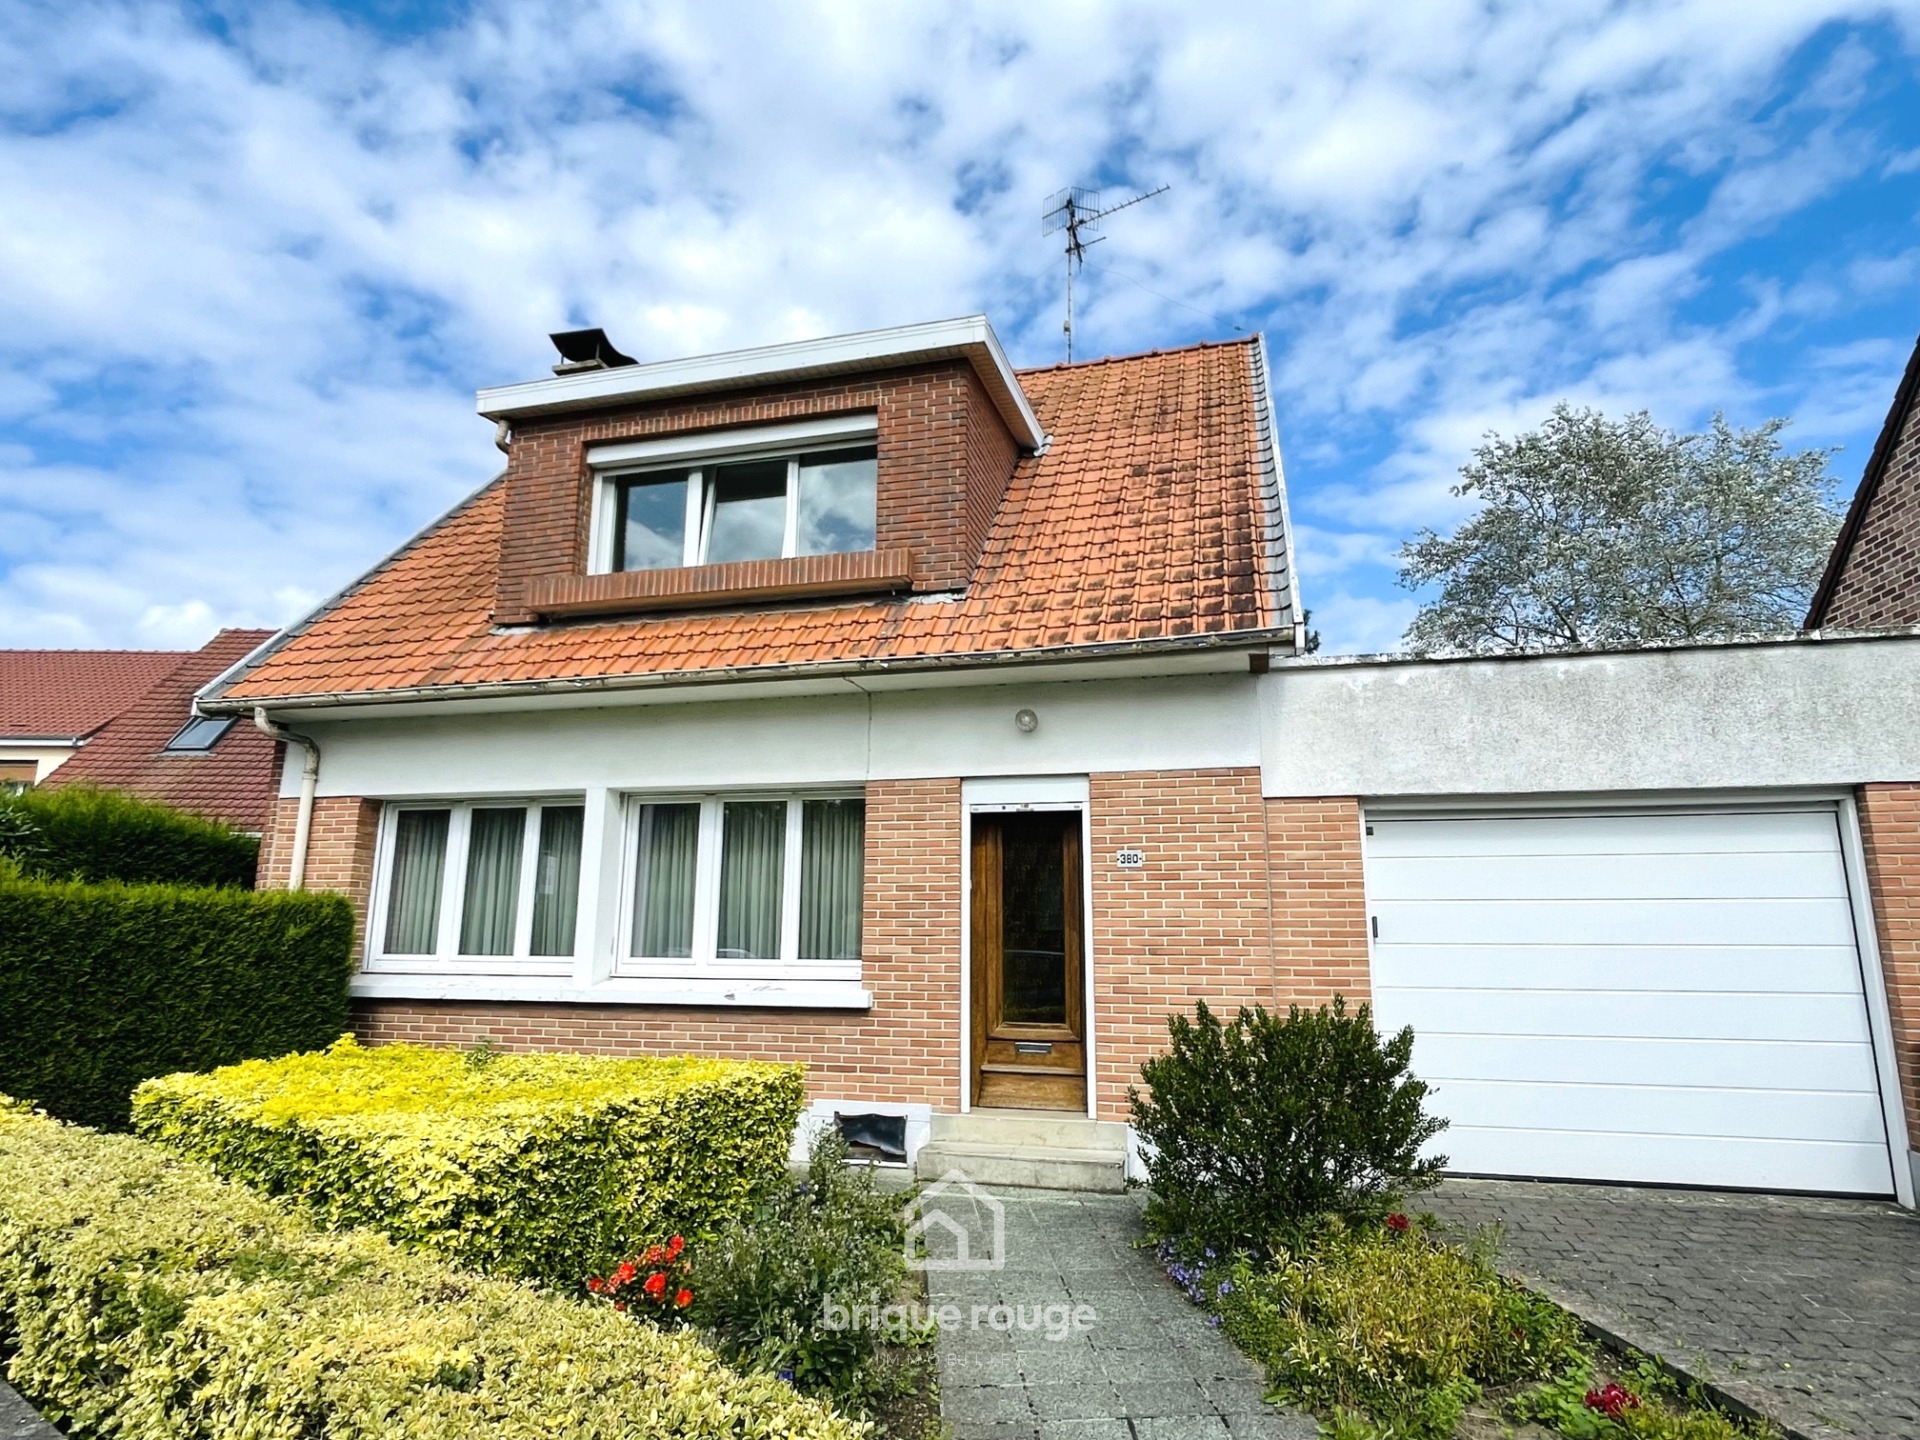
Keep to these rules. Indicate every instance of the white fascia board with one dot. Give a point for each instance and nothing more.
(969, 337)
(745, 440)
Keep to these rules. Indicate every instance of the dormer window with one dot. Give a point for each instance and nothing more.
(764, 494)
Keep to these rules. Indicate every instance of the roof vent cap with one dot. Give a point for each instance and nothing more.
(586, 350)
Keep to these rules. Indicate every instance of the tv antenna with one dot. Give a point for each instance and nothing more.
(1077, 210)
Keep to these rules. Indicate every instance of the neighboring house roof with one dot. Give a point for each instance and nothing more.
(1153, 518)
(1872, 580)
(69, 694)
(234, 781)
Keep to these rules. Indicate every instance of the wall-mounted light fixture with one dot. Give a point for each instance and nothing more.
(1025, 721)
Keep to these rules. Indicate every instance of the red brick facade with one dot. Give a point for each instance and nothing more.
(1319, 900)
(1890, 830)
(1873, 577)
(945, 457)
(905, 1049)
(340, 851)
(1242, 901)
(1193, 923)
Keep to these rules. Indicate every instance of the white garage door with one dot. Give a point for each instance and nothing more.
(1645, 997)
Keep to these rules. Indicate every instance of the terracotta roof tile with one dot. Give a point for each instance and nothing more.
(71, 693)
(1148, 515)
(234, 781)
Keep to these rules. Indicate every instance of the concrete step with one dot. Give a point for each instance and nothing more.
(1024, 1128)
(1038, 1167)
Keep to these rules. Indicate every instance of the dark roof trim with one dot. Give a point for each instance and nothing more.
(1283, 580)
(1903, 402)
(990, 660)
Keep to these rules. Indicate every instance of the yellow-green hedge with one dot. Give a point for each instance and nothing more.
(144, 1299)
(548, 1166)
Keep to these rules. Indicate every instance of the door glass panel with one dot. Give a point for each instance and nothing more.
(836, 503)
(749, 511)
(1033, 891)
(493, 881)
(652, 529)
(663, 881)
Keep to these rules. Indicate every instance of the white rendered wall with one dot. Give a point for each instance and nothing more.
(1804, 713)
(46, 758)
(1193, 722)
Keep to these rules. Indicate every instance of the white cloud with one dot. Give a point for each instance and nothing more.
(247, 285)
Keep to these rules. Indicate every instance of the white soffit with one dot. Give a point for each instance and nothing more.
(969, 337)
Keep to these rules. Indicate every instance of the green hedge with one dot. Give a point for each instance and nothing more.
(85, 833)
(103, 986)
(549, 1166)
(143, 1299)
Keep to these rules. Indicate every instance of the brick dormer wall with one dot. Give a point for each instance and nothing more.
(945, 457)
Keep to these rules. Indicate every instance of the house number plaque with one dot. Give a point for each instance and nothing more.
(1130, 859)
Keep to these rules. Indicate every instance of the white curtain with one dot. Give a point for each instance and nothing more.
(419, 863)
(493, 881)
(663, 882)
(556, 879)
(753, 851)
(832, 864)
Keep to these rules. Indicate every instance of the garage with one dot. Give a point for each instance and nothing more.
(1652, 996)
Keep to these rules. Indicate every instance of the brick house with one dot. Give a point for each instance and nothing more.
(124, 720)
(221, 767)
(53, 701)
(869, 703)
(1872, 580)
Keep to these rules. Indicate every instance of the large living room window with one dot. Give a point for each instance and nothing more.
(751, 886)
(771, 493)
(478, 886)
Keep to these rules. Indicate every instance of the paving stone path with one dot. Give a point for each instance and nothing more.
(19, 1420)
(1806, 1310)
(1139, 1364)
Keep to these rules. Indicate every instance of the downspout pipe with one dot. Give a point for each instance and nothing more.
(309, 786)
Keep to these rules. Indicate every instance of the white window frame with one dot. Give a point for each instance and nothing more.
(613, 465)
(704, 963)
(453, 883)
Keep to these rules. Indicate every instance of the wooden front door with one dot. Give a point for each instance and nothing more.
(1029, 998)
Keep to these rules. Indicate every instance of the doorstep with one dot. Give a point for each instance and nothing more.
(1027, 1149)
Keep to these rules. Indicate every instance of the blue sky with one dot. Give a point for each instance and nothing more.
(254, 259)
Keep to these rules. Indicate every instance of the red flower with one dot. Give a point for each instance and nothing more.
(674, 1247)
(1613, 1401)
(625, 1272)
(1398, 1222)
(594, 1283)
(656, 1284)
(656, 1254)
(684, 1298)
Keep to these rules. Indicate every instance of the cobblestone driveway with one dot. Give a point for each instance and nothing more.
(1146, 1367)
(1807, 1310)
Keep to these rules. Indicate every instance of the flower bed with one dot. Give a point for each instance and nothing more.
(548, 1166)
(1385, 1330)
(142, 1297)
